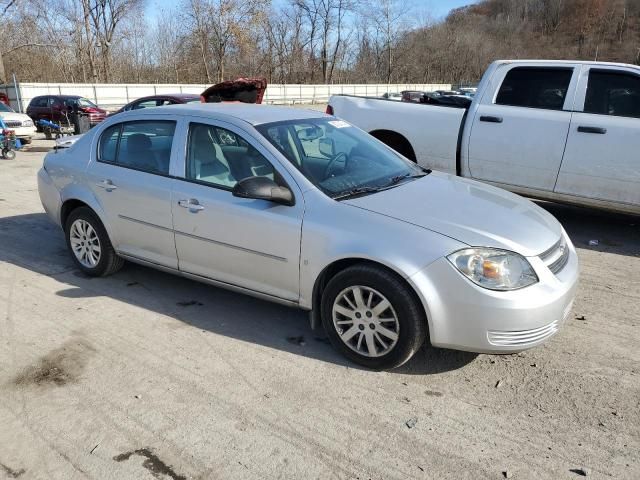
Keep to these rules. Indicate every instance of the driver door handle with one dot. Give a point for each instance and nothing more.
(192, 204)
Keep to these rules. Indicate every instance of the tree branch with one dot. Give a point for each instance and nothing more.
(24, 45)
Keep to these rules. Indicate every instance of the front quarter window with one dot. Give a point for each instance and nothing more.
(338, 158)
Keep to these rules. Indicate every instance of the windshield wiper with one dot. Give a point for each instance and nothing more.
(354, 192)
(398, 178)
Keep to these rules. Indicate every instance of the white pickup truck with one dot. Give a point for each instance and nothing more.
(565, 131)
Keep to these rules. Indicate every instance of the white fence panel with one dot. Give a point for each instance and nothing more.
(113, 96)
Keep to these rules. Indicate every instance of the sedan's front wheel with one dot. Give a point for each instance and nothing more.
(373, 317)
(89, 244)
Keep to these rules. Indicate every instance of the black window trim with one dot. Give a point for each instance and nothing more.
(128, 167)
(278, 178)
(608, 72)
(535, 67)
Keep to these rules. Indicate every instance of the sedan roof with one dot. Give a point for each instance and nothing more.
(251, 113)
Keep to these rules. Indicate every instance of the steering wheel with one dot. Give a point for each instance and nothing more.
(333, 161)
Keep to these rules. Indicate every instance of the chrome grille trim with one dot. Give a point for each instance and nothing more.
(520, 338)
(556, 257)
(13, 123)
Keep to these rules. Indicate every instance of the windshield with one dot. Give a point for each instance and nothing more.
(5, 108)
(83, 102)
(338, 158)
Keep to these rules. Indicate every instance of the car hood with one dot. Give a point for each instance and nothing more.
(14, 116)
(470, 212)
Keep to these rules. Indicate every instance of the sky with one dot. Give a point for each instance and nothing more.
(438, 8)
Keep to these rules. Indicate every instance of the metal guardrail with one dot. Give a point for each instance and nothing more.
(113, 96)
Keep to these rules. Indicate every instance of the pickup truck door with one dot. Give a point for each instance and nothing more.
(602, 158)
(520, 125)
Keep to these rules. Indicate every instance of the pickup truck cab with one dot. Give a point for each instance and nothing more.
(565, 131)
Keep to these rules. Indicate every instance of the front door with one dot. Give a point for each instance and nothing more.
(518, 136)
(254, 244)
(130, 178)
(602, 159)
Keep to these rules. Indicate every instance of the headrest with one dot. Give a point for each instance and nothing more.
(138, 142)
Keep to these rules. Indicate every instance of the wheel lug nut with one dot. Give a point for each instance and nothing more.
(358, 315)
(368, 314)
(372, 326)
(361, 327)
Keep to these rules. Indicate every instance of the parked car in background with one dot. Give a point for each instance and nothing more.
(160, 101)
(263, 200)
(58, 108)
(411, 96)
(20, 123)
(566, 131)
(392, 96)
(243, 90)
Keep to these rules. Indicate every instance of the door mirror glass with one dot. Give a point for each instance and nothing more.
(263, 188)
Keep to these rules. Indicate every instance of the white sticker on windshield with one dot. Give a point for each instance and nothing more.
(339, 123)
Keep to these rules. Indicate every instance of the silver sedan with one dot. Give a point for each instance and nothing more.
(304, 209)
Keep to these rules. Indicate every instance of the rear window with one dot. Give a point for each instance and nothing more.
(535, 87)
(140, 145)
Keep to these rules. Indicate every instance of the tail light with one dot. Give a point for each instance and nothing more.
(329, 110)
(202, 99)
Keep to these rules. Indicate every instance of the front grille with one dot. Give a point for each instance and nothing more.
(13, 123)
(556, 257)
(520, 338)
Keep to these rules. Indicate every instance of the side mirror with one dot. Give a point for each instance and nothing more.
(327, 147)
(263, 188)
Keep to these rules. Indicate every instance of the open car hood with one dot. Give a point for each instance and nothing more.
(245, 90)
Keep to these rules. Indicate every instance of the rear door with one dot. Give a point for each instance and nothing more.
(602, 158)
(130, 176)
(518, 135)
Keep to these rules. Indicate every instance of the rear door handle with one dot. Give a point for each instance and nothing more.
(598, 130)
(192, 204)
(490, 119)
(107, 185)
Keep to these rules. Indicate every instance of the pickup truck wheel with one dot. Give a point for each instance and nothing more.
(89, 244)
(372, 317)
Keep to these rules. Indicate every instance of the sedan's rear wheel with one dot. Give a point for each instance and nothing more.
(89, 244)
(373, 317)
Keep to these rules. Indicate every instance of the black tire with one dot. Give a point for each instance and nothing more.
(9, 154)
(47, 134)
(109, 262)
(404, 301)
(25, 141)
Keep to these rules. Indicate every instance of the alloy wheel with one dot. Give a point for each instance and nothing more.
(85, 243)
(365, 321)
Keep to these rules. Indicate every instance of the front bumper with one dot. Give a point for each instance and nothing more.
(464, 316)
(24, 132)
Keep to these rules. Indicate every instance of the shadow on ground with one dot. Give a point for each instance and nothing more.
(614, 233)
(32, 242)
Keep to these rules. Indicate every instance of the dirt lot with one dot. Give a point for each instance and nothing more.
(146, 375)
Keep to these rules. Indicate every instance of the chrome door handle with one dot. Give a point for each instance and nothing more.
(192, 204)
(107, 185)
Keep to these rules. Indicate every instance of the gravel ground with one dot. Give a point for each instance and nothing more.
(147, 375)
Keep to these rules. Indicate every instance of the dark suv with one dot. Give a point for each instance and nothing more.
(54, 107)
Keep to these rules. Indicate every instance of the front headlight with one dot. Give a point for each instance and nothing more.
(494, 269)
(27, 123)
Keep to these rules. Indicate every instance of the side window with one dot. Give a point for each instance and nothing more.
(221, 158)
(613, 93)
(108, 146)
(535, 87)
(55, 102)
(40, 102)
(141, 145)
